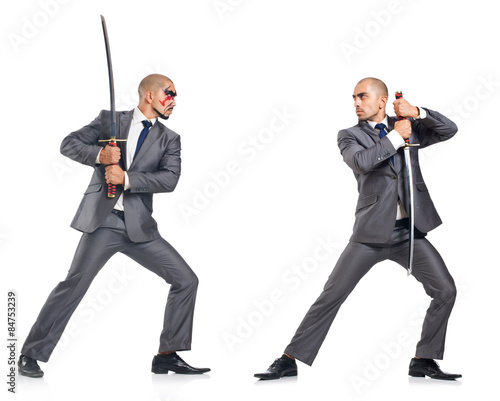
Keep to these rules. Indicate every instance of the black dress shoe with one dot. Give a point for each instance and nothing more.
(420, 367)
(283, 366)
(174, 363)
(29, 367)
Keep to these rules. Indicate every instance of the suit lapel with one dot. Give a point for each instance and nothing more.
(153, 134)
(399, 156)
(390, 123)
(369, 130)
(376, 138)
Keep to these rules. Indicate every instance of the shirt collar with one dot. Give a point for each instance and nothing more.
(384, 121)
(138, 117)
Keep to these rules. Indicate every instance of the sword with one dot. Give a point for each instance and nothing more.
(112, 137)
(409, 182)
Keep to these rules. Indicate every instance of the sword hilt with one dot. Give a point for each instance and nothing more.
(112, 187)
(399, 95)
(112, 142)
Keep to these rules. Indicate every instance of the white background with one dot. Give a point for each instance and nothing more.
(253, 238)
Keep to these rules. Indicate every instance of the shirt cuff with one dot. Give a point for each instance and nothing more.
(422, 113)
(396, 139)
(127, 182)
(97, 161)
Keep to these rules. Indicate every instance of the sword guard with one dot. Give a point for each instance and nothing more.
(411, 145)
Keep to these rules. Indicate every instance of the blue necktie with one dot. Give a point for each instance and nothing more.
(381, 127)
(147, 125)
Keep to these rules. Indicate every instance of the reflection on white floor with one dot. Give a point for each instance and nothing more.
(115, 378)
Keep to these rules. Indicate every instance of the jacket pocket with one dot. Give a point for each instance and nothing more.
(366, 201)
(93, 188)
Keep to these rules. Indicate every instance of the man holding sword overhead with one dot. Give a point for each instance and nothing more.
(375, 150)
(148, 162)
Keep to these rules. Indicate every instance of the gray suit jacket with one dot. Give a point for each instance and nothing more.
(156, 168)
(380, 182)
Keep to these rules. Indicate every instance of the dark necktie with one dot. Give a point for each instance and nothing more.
(147, 125)
(381, 127)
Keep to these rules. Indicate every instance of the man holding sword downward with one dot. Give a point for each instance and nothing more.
(374, 150)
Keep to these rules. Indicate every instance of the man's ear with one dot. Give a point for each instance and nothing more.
(382, 102)
(148, 97)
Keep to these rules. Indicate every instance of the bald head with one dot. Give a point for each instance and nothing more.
(376, 85)
(153, 83)
(157, 96)
(370, 98)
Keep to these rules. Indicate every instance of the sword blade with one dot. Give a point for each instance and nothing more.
(409, 183)
(111, 81)
(411, 212)
(112, 134)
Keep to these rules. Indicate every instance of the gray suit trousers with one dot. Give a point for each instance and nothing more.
(93, 251)
(356, 260)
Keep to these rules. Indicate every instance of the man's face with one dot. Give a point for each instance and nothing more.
(369, 105)
(164, 100)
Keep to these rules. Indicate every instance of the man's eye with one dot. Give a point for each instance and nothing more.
(168, 98)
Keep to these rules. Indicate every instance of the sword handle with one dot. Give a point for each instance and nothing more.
(112, 187)
(399, 95)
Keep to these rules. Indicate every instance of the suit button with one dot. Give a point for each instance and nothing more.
(394, 177)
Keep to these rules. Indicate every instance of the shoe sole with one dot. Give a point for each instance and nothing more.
(165, 371)
(159, 371)
(287, 374)
(35, 376)
(419, 374)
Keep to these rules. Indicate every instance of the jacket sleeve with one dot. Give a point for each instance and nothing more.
(167, 175)
(82, 145)
(362, 159)
(433, 129)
